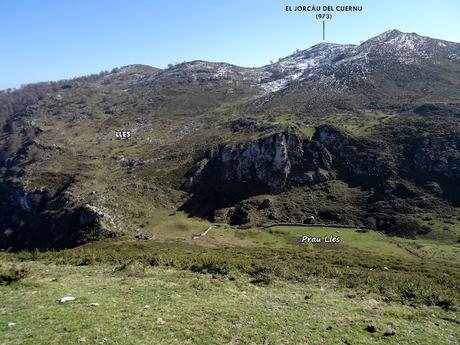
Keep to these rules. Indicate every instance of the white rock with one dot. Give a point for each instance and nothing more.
(66, 299)
(146, 306)
(94, 305)
(11, 324)
(160, 321)
(385, 268)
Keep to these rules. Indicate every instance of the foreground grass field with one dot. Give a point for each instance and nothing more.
(170, 306)
(255, 286)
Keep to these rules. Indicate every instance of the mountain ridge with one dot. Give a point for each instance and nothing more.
(389, 35)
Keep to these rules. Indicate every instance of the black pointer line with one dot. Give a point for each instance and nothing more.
(324, 28)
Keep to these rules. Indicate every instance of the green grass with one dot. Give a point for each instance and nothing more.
(362, 124)
(233, 286)
(203, 309)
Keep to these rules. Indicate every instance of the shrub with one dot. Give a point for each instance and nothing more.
(212, 266)
(11, 274)
(262, 274)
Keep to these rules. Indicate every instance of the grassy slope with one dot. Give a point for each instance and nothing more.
(233, 286)
(202, 309)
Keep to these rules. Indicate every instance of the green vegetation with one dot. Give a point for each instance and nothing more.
(192, 308)
(235, 286)
(11, 273)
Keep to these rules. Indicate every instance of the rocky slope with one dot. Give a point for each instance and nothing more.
(360, 134)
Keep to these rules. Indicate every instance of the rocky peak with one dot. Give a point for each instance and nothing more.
(407, 47)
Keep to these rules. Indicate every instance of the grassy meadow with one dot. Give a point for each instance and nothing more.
(234, 286)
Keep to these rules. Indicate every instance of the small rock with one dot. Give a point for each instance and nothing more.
(11, 324)
(160, 321)
(66, 299)
(389, 331)
(385, 268)
(81, 339)
(372, 328)
(144, 237)
(328, 328)
(146, 306)
(94, 305)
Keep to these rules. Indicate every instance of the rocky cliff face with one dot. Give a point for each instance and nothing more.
(267, 165)
(226, 181)
(282, 160)
(43, 219)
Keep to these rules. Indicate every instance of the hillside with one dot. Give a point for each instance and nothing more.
(367, 135)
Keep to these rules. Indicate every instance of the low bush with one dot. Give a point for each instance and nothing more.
(11, 274)
(410, 281)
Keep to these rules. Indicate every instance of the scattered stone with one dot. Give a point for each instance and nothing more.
(94, 305)
(144, 237)
(160, 321)
(66, 299)
(372, 302)
(11, 324)
(146, 306)
(309, 220)
(389, 331)
(372, 328)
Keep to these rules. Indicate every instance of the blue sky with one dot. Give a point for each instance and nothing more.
(50, 40)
